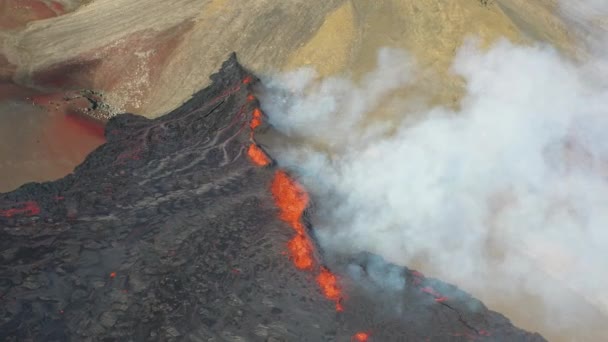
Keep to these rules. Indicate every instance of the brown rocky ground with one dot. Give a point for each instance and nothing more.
(150, 56)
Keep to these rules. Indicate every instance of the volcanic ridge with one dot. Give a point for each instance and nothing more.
(184, 228)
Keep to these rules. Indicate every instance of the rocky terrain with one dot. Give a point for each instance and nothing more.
(63, 62)
(148, 56)
(182, 228)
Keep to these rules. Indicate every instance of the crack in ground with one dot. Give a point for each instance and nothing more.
(461, 319)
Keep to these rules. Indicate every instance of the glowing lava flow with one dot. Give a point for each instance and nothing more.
(255, 153)
(292, 200)
(329, 285)
(300, 249)
(361, 337)
(258, 157)
(29, 208)
(256, 119)
(418, 279)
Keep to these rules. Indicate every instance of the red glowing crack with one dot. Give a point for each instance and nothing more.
(29, 208)
(360, 337)
(292, 200)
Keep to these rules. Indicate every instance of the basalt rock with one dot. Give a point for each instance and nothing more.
(169, 232)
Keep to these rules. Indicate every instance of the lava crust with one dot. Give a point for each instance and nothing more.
(173, 230)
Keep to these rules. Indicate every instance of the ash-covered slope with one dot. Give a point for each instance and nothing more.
(170, 231)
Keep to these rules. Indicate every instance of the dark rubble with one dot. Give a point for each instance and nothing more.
(168, 232)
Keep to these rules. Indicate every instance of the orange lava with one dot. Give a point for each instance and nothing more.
(438, 297)
(301, 252)
(361, 337)
(258, 157)
(291, 199)
(256, 119)
(329, 285)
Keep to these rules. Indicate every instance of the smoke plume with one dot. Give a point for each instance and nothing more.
(508, 191)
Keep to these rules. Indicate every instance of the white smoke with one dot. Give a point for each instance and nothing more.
(512, 186)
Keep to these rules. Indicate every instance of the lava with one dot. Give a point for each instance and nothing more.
(29, 208)
(291, 199)
(361, 337)
(301, 252)
(256, 119)
(329, 284)
(438, 297)
(258, 157)
(238, 241)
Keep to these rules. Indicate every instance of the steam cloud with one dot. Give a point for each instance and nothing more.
(509, 191)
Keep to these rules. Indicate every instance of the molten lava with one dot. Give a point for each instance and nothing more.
(329, 285)
(30, 208)
(291, 200)
(438, 297)
(256, 119)
(258, 157)
(361, 337)
(301, 252)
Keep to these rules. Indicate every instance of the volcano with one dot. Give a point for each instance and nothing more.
(183, 228)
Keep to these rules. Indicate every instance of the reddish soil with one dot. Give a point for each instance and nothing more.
(17, 13)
